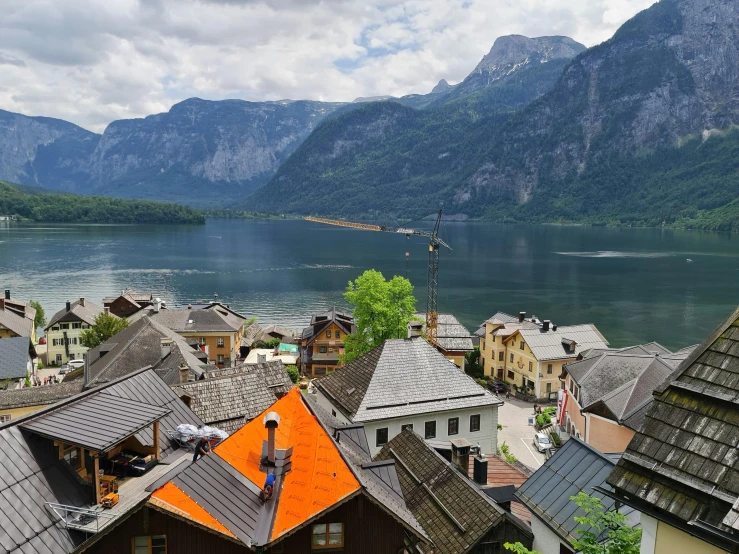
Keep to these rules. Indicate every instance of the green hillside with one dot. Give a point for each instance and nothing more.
(42, 206)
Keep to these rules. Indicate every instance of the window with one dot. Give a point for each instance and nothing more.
(337, 334)
(220, 358)
(510, 375)
(71, 456)
(381, 436)
(474, 423)
(501, 356)
(531, 384)
(511, 357)
(155, 544)
(549, 388)
(319, 371)
(549, 369)
(5, 418)
(220, 342)
(77, 325)
(328, 334)
(323, 349)
(73, 340)
(531, 366)
(429, 430)
(64, 325)
(453, 426)
(58, 358)
(483, 363)
(522, 346)
(333, 413)
(406, 426)
(201, 341)
(327, 535)
(55, 328)
(482, 344)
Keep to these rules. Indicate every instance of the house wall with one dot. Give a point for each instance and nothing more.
(330, 359)
(457, 358)
(6, 333)
(576, 420)
(606, 435)
(15, 413)
(547, 541)
(660, 538)
(56, 333)
(211, 341)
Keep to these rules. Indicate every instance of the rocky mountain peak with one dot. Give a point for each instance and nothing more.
(442, 86)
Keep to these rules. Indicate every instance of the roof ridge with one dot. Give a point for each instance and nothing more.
(147, 324)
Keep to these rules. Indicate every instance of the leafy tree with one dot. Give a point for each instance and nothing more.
(472, 365)
(271, 343)
(106, 325)
(40, 319)
(619, 537)
(518, 548)
(381, 309)
(293, 372)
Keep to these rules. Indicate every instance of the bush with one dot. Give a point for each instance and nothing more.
(510, 458)
(556, 441)
(482, 382)
(550, 410)
(40, 365)
(293, 372)
(542, 420)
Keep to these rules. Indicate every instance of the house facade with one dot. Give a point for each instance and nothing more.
(11, 326)
(128, 303)
(63, 331)
(607, 392)
(407, 383)
(530, 353)
(323, 341)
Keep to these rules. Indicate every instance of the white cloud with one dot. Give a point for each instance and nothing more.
(93, 61)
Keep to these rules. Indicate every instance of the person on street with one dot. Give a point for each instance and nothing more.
(507, 395)
(201, 449)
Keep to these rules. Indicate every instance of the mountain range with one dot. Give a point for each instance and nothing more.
(637, 130)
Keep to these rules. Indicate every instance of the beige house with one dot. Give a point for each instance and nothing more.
(607, 392)
(63, 331)
(530, 353)
(16, 318)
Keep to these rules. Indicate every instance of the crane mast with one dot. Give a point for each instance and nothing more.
(435, 243)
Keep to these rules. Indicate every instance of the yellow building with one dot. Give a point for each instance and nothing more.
(63, 331)
(530, 353)
(16, 318)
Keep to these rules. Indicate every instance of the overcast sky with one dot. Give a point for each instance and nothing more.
(93, 61)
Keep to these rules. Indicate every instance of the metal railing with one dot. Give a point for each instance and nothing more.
(81, 519)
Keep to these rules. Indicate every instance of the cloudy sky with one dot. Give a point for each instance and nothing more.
(93, 61)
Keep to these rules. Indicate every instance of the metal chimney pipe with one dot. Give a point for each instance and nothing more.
(521, 316)
(7, 294)
(271, 422)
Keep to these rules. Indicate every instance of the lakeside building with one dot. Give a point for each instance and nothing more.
(16, 318)
(128, 303)
(530, 353)
(323, 341)
(607, 392)
(452, 339)
(407, 383)
(680, 469)
(63, 331)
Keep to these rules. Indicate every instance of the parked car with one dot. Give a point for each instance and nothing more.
(498, 388)
(541, 442)
(74, 364)
(42, 340)
(64, 369)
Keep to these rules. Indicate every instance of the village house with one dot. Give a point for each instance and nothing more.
(322, 500)
(574, 468)
(63, 331)
(216, 327)
(16, 319)
(452, 339)
(530, 353)
(407, 383)
(323, 341)
(607, 392)
(128, 303)
(680, 469)
(17, 359)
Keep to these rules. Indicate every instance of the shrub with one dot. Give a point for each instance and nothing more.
(293, 372)
(510, 458)
(550, 410)
(482, 382)
(556, 441)
(40, 365)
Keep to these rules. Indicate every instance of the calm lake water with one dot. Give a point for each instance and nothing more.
(636, 285)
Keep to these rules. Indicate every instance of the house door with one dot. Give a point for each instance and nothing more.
(500, 373)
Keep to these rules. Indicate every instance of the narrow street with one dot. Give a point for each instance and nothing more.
(517, 433)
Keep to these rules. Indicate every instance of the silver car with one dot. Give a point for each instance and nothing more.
(541, 442)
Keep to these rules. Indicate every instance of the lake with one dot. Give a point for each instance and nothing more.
(636, 285)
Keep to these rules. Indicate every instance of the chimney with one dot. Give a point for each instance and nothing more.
(69, 305)
(107, 310)
(546, 325)
(166, 345)
(521, 316)
(189, 306)
(415, 329)
(271, 421)
(480, 469)
(157, 305)
(461, 454)
(7, 294)
(554, 327)
(82, 301)
(261, 358)
(184, 373)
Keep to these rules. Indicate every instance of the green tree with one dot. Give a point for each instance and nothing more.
(518, 548)
(293, 372)
(472, 365)
(619, 537)
(381, 309)
(40, 319)
(106, 325)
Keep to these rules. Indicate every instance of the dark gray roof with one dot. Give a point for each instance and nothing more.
(39, 396)
(451, 335)
(77, 312)
(20, 325)
(402, 377)
(319, 322)
(234, 398)
(272, 373)
(14, 355)
(252, 334)
(452, 509)
(683, 460)
(206, 320)
(576, 467)
(96, 422)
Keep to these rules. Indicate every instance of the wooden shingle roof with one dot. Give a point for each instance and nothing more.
(683, 463)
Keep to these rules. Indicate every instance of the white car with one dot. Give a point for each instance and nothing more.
(541, 442)
(74, 364)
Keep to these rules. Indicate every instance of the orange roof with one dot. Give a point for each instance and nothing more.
(319, 477)
(170, 496)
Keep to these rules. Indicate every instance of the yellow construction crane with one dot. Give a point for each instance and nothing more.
(432, 314)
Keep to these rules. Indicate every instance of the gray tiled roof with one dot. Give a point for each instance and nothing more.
(77, 312)
(402, 377)
(319, 322)
(576, 467)
(272, 373)
(39, 396)
(14, 355)
(206, 320)
(422, 472)
(451, 335)
(20, 325)
(547, 345)
(683, 461)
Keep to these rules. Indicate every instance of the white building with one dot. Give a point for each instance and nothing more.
(63, 331)
(407, 382)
